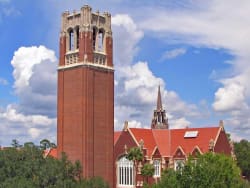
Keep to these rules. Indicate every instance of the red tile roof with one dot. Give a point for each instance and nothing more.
(168, 140)
(162, 139)
(188, 144)
(147, 137)
(52, 152)
(116, 136)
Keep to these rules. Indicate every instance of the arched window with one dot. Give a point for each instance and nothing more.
(100, 40)
(125, 172)
(159, 117)
(71, 39)
(94, 38)
(157, 167)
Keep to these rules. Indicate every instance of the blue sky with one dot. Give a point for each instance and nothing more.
(198, 52)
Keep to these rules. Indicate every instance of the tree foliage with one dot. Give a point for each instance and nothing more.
(135, 154)
(242, 152)
(208, 170)
(26, 166)
(147, 171)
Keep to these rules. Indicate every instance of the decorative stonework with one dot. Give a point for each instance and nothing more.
(99, 58)
(125, 128)
(141, 143)
(211, 145)
(71, 58)
(159, 120)
(88, 37)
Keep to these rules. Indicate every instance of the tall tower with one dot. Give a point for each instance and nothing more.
(159, 120)
(85, 127)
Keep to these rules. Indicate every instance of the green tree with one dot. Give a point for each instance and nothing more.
(147, 171)
(135, 154)
(242, 152)
(95, 182)
(26, 166)
(15, 143)
(46, 144)
(168, 179)
(208, 170)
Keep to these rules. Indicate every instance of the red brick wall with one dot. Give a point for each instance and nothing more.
(62, 50)
(125, 138)
(85, 46)
(109, 51)
(86, 119)
(222, 145)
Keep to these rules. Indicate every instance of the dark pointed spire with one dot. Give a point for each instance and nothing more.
(159, 103)
(159, 120)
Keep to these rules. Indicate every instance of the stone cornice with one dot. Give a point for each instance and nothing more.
(86, 64)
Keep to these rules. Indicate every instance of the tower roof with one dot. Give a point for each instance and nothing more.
(159, 103)
(159, 120)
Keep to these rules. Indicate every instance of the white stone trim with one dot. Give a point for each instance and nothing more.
(87, 64)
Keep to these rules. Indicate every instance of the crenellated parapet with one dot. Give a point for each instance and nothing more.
(86, 38)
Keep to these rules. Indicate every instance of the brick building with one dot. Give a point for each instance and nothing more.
(163, 147)
(85, 127)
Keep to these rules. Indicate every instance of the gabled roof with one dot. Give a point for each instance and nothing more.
(162, 140)
(169, 140)
(116, 136)
(188, 144)
(147, 137)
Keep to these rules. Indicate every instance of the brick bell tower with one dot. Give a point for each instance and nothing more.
(85, 127)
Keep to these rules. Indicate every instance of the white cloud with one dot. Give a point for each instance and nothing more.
(34, 116)
(35, 80)
(171, 54)
(136, 85)
(179, 123)
(218, 25)
(12, 115)
(126, 35)
(16, 125)
(34, 132)
(231, 97)
(3, 82)
(235, 138)
(24, 60)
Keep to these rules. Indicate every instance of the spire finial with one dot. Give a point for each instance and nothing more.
(159, 103)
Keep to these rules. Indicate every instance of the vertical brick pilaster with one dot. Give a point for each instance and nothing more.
(85, 47)
(109, 51)
(62, 52)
